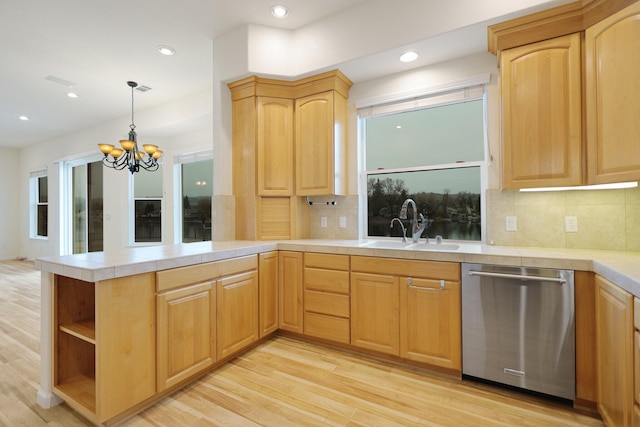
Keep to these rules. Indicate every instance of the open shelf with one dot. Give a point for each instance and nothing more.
(83, 329)
(81, 389)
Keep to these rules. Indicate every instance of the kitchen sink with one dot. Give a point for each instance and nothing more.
(396, 244)
(388, 244)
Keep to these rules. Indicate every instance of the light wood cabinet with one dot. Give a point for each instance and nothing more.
(375, 311)
(408, 308)
(268, 292)
(237, 312)
(274, 161)
(612, 103)
(542, 114)
(636, 357)
(104, 344)
(321, 144)
(326, 297)
(186, 332)
(291, 309)
(430, 321)
(289, 140)
(614, 345)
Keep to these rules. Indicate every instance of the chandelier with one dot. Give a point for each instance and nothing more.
(130, 156)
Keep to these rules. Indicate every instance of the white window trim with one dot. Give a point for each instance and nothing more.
(417, 99)
(178, 161)
(34, 195)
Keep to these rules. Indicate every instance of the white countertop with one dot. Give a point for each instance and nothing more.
(622, 268)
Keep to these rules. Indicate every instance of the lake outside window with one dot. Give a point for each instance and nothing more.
(431, 150)
(197, 190)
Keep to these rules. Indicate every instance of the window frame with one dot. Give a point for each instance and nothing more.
(132, 209)
(34, 195)
(420, 100)
(179, 161)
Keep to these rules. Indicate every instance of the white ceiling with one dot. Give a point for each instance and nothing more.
(100, 45)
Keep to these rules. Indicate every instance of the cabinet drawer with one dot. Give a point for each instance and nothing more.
(328, 261)
(439, 270)
(326, 280)
(328, 327)
(326, 303)
(177, 277)
(636, 312)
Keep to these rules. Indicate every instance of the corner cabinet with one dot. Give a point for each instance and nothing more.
(291, 287)
(289, 140)
(612, 97)
(614, 349)
(104, 344)
(542, 114)
(268, 292)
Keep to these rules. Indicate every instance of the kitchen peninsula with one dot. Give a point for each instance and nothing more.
(117, 324)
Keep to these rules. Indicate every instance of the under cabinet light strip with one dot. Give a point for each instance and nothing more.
(614, 186)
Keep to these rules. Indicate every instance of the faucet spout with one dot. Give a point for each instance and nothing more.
(404, 231)
(418, 224)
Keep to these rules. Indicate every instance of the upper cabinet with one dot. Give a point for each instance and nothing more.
(568, 110)
(289, 140)
(541, 114)
(321, 144)
(613, 97)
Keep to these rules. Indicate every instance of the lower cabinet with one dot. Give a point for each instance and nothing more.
(375, 312)
(430, 321)
(614, 348)
(237, 319)
(186, 332)
(104, 344)
(268, 292)
(290, 291)
(407, 308)
(636, 351)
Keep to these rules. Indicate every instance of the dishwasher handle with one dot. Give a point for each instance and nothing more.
(517, 276)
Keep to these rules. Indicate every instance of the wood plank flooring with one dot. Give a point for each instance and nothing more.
(282, 382)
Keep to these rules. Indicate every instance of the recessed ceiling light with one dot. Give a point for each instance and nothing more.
(279, 11)
(398, 127)
(408, 56)
(23, 118)
(166, 50)
(72, 95)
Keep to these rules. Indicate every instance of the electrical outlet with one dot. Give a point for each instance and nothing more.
(323, 221)
(343, 222)
(512, 223)
(571, 224)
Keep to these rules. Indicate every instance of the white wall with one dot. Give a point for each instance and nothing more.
(9, 199)
(188, 118)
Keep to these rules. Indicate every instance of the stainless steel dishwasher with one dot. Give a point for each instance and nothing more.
(518, 327)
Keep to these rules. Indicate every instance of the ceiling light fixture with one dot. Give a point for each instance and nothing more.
(23, 118)
(408, 56)
(129, 156)
(279, 11)
(72, 95)
(166, 50)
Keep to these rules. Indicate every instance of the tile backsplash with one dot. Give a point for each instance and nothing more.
(346, 207)
(607, 219)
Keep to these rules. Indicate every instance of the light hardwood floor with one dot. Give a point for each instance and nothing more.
(282, 382)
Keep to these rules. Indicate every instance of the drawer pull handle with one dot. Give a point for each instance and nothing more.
(412, 286)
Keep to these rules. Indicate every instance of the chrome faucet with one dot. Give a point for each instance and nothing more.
(404, 230)
(418, 224)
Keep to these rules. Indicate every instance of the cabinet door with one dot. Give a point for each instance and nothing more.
(320, 144)
(542, 114)
(237, 318)
(375, 305)
(291, 291)
(430, 326)
(186, 332)
(125, 343)
(268, 292)
(612, 102)
(614, 338)
(275, 147)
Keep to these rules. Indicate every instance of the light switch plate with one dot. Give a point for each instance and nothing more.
(512, 223)
(343, 222)
(571, 224)
(323, 221)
